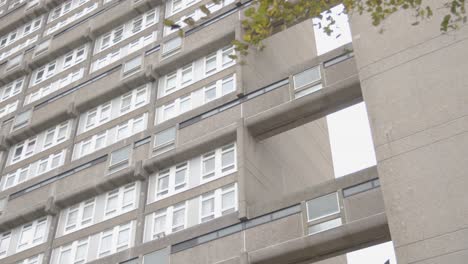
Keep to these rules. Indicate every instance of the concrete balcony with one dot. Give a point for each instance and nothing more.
(14, 68)
(69, 187)
(24, 13)
(199, 42)
(253, 241)
(62, 42)
(119, 13)
(82, 97)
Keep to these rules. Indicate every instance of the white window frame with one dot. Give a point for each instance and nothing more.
(80, 221)
(126, 30)
(73, 248)
(171, 174)
(217, 195)
(218, 169)
(114, 234)
(168, 214)
(120, 201)
(11, 89)
(219, 66)
(33, 227)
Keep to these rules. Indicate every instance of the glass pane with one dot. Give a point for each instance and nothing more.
(228, 200)
(227, 160)
(208, 207)
(228, 86)
(306, 77)
(165, 136)
(322, 206)
(65, 256)
(324, 226)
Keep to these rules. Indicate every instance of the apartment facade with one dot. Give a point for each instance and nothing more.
(125, 142)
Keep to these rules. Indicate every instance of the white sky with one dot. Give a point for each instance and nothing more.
(350, 139)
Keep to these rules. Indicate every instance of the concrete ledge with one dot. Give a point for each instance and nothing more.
(109, 87)
(66, 198)
(29, 214)
(257, 209)
(306, 109)
(192, 148)
(62, 43)
(348, 237)
(16, 72)
(120, 13)
(21, 15)
(42, 119)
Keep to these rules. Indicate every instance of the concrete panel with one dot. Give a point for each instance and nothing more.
(432, 173)
(286, 163)
(274, 232)
(363, 205)
(280, 57)
(211, 252)
(213, 123)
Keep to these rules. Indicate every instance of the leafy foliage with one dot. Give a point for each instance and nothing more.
(264, 17)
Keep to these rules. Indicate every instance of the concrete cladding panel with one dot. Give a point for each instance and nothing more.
(414, 83)
(284, 52)
(285, 163)
(211, 252)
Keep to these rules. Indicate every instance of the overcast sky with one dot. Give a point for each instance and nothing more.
(350, 139)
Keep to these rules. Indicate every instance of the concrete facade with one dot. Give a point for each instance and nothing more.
(122, 142)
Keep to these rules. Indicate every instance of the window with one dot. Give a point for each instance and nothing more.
(79, 215)
(97, 116)
(120, 159)
(133, 99)
(4, 244)
(171, 46)
(70, 19)
(20, 32)
(42, 166)
(210, 63)
(175, 6)
(11, 89)
(164, 140)
(306, 91)
(120, 201)
(190, 73)
(127, 30)
(115, 240)
(172, 180)
(132, 65)
(59, 65)
(54, 86)
(160, 256)
(102, 140)
(32, 234)
(32, 260)
(322, 207)
(208, 165)
(305, 79)
(74, 253)
(217, 203)
(314, 229)
(9, 108)
(178, 217)
(169, 220)
(23, 150)
(21, 120)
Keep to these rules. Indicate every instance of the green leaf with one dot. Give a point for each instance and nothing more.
(205, 10)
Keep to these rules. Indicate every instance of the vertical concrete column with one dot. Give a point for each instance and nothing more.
(140, 226)
(54, 211)
(415, 86)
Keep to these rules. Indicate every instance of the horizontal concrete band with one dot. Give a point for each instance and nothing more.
(346, 238)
